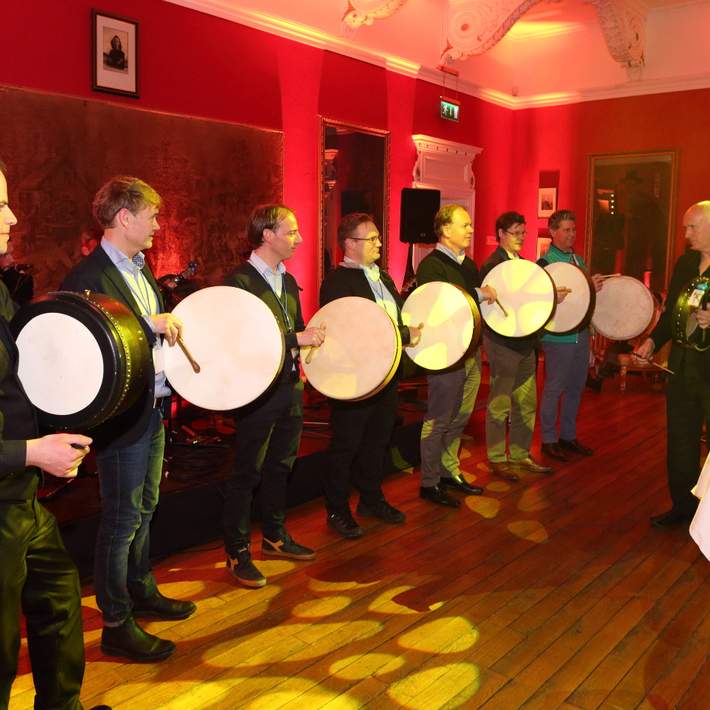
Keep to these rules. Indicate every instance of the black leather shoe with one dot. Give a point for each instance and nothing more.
(669, 518)
(160, 607)
(575, 446)
(554, 451)
(434, 494)
(344, 525)
(381, 510)
(529, 464)
(459, 484)
(130, 641)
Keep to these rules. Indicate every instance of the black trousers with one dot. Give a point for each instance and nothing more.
(688, 406)
(268, 435)
(361, 432)
(38, 577)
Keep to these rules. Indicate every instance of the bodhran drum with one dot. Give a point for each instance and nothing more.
(83, 358)
(685, 325)
(575, 312)
(526, 295)
(237, 342)
(452, 324)
(361, 351)
(624, 308)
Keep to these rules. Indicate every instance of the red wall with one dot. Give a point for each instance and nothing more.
(199, 65)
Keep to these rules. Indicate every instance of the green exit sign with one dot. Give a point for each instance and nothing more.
(449, 109)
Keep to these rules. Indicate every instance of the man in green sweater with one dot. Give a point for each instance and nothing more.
(566, 356)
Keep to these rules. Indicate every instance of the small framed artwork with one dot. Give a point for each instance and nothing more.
(543, 244)
(546, 201)
(114, 54)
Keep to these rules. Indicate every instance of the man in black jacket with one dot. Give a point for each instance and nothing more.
(130, 446)
(688, 391)
(452, 392)
(512, 395)
(361, 430)
(36, 573)
(268, 429)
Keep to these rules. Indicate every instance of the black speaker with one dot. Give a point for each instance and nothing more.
(416, 215)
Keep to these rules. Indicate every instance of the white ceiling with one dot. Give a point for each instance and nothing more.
(555, 53)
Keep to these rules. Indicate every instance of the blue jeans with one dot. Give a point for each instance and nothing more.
(566, 367)
(129, 479)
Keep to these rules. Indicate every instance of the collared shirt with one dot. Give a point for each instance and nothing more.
(147, 301)
(459, 259)
(383, 297)
(450, 253)
(275, 279)
(511, 254)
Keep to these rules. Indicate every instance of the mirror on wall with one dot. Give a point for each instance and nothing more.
(354, 164)
(631, 208)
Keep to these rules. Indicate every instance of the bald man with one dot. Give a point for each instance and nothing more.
(688, 392)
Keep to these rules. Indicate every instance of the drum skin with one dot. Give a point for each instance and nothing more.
(236, 340)
(575, 312)
(624, 308)
(452, 324)
(361, 351)
(684, 323)
(526, 292)
(118, 365)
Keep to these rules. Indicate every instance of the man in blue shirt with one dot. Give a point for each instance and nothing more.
(130, 446)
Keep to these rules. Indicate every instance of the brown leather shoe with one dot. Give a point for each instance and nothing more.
(528, 464)
(502, 470)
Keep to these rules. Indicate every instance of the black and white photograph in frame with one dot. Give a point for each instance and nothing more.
(114, 56)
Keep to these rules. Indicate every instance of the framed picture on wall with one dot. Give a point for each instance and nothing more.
(631, 215)
(114, 54)
(546, 201)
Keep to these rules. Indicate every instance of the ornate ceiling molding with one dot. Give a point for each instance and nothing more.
(623, 23)
(365, 12)
(474, 26)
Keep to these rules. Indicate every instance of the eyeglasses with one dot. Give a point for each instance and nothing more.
(365, 239)
(517, 234)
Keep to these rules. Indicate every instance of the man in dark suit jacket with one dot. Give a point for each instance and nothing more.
(268, 429)
(512, 395)
(452, 392)
(130, 447)
(361, 430)
(36, 573)
(688, 391)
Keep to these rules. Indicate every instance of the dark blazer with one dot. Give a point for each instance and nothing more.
(684, 271)
(344, 281)
(520, 345)
(248, 278)
(17, 419)
(97, 273)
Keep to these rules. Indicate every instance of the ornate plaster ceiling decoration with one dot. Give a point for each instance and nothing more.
(365, 12)
(475, 26)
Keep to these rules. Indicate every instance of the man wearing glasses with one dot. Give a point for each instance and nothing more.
(361, 430)
(512, 394)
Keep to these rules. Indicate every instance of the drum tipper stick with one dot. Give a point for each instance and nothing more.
(654, 364)
(195, 367)
(500, 305)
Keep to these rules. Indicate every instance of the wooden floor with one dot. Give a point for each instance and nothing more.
(553, 592)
